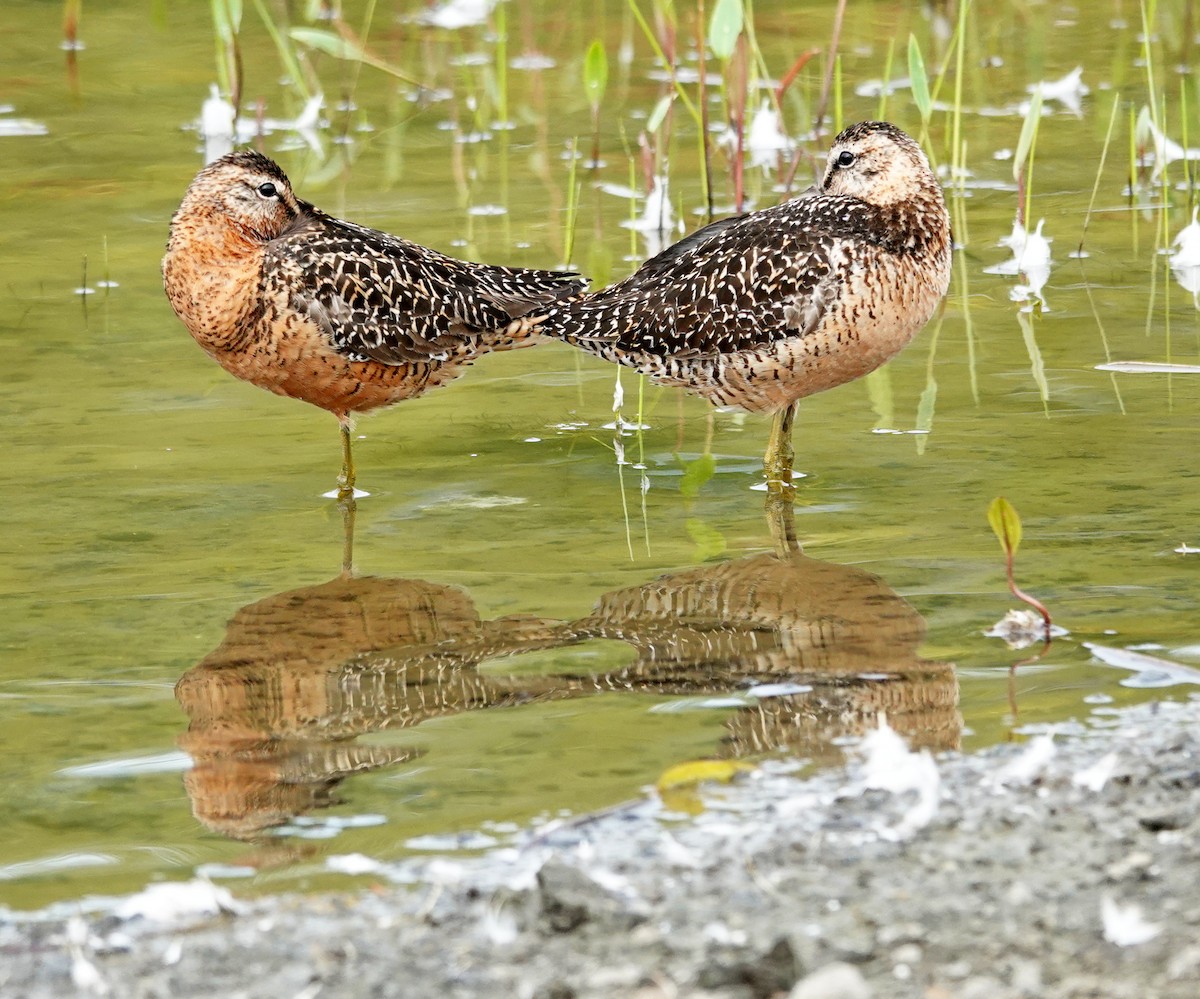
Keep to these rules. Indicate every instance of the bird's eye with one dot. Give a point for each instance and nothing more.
(267, 190)
(845, 158)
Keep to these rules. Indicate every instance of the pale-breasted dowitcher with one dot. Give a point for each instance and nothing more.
(344, 317)
(760, 310)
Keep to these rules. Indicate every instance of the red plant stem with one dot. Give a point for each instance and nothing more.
(790, 76)
(827, 85)
(703, 95)
(739, 72)
(1020, 594)
(825, 88)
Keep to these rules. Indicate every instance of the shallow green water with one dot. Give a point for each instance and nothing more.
(149, 497)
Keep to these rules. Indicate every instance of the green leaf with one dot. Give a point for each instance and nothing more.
(695, 772)
(1025, 321)
(658, 114)
(227, 18)
(1006, 524)
(595, 73)
(327, 42)
(709, 542)
(1028, 132)
(696, 473)
(919, 78)
(725, 26)
(879, 391)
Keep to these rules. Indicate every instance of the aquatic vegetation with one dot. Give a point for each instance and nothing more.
(1006, 525)
(1068, 91)
(762, 310)
(480, 136)
(595, 80)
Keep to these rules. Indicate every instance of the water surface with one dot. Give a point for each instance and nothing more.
(540, 630)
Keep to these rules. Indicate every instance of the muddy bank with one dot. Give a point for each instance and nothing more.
(1048, 870)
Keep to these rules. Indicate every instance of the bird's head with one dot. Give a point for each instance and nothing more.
(245, 191)
(876, 162)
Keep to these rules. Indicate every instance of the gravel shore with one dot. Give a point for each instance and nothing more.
(1049, 869)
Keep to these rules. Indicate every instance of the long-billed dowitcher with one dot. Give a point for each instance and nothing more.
(344, 317)
(760, 310)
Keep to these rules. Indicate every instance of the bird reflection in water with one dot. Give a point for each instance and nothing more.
(832, 645)
(275, 710)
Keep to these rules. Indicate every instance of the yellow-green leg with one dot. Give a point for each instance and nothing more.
(777, 463)
(346, 478)
(348, 507)
(781, 519)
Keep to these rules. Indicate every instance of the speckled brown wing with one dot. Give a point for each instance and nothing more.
(735, 285)
(379, 297)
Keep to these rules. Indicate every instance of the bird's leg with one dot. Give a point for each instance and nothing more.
(781, 519)
(777, 463)
(348, 507)
(346, 478)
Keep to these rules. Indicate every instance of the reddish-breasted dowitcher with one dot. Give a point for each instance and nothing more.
(762, 309)
(344, 317)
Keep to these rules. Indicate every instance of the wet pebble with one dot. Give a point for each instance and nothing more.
(834, 981)
(569, 898)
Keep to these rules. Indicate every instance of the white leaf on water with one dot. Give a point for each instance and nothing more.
(217, 117)
(1149, 671)
(1067, 90)
(764, 140)
(1030, 257)
(455, 14)
(657, 222)
(1150, 367)
(1166, 150)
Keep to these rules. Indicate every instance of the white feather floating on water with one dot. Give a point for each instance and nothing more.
(1185, 258)
(766, 138)
(1165, 149)
(1030, 257)
(1186, 245)
(1148, 671)
(1068, 91)
(657, 221)
(221, 128)
(217, 117)
(455, 14)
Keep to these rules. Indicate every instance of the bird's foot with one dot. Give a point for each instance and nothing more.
(778, 470)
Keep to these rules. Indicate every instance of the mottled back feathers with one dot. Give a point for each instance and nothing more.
(383, 298)
(864, 254)
(250, 266)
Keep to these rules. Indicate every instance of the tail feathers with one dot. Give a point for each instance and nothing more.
(525, 291)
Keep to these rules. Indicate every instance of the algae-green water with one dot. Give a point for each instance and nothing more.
(545, 620)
